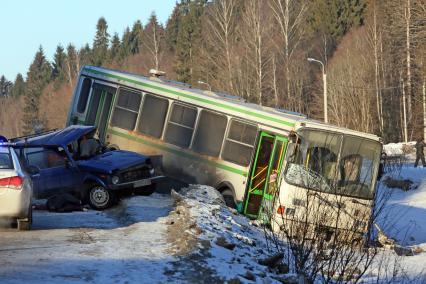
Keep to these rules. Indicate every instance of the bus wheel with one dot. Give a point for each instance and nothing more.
(228, 196)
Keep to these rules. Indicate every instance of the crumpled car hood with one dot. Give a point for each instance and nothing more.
(112, 161)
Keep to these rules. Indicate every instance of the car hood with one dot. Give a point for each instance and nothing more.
(112, 161)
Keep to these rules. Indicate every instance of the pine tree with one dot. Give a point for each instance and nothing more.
(85, 55)
(18, 88)
(125, 43)
(38, 76)
(115, 46)
(172, 27)
(100, 43)
(333, 18)
(5, 86)
(188, 38)
(135, 41)
(59, 61)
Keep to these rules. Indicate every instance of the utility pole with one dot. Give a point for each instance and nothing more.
(324, 83)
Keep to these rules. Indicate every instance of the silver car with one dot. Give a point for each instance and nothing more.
(15, 190)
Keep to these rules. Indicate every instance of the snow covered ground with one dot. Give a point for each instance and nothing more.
(126, 244)
(191, 237)
(404, 219)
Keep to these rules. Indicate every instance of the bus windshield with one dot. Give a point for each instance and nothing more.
(334, 163)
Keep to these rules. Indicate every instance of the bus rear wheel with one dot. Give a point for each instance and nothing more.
(228, 196)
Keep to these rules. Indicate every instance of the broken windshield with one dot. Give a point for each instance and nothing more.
(334, 163)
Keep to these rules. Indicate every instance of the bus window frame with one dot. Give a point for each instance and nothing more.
(115, 105)
(228, 128)
(169, 102)
(79, 90)
(172, 103)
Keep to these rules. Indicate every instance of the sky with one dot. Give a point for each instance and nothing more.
(27, 24)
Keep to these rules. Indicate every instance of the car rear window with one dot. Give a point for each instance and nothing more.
(5, 161)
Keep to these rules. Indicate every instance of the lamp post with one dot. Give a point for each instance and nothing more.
(324, 80)
(204, 83)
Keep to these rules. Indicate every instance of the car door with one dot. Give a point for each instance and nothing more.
(55, 176)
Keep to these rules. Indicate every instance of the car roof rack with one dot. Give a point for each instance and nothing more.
(32, 135)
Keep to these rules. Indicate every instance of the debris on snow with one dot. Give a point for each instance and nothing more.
(272, 261)
(222, 242)
(404, 184)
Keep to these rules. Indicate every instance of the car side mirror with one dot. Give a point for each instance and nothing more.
(33, 170)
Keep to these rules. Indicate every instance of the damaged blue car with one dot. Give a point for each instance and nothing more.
(71, 160)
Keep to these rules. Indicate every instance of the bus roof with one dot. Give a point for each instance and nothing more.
(274, 117)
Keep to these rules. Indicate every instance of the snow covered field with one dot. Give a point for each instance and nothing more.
(191, 237)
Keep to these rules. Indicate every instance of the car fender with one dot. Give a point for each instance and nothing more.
(91, 179)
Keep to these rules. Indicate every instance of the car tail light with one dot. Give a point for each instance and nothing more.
(12, 182)
(281, 210)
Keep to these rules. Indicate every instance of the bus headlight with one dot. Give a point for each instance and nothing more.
(115, 179)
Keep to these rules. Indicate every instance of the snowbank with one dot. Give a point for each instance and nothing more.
(232, 245)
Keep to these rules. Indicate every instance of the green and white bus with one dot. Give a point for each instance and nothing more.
(253, 155)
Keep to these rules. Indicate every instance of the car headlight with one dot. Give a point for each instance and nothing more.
(151, 171)
(115, 179)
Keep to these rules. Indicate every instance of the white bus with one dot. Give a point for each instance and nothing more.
(253, 155)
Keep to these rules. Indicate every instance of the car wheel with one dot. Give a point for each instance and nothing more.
(100, 198)
(146, 190)
(228, 196)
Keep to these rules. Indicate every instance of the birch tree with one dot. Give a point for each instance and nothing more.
(220, 41)
(289, 15)
(256, 54)
(153, 40)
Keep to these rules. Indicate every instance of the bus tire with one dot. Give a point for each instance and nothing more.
(228, 196)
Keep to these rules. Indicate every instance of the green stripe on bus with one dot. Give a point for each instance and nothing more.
(177, 152)
(233, 108)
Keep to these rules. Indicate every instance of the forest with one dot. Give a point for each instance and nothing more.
(372, 53)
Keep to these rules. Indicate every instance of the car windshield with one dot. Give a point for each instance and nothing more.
(334, 163)
(5, 160)
(85, 147)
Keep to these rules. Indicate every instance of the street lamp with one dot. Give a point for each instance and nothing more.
(324, 80)
(204, 83)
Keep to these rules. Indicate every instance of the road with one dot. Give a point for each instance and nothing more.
(124, 244)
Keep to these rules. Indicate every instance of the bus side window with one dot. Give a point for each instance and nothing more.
(153, 115)
(126, 110)
(180, 126)
(210, 132)
(84, 95)
(239, 143)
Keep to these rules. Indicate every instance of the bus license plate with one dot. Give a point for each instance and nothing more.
(141, 183)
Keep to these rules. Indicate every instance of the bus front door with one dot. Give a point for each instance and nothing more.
(100, 108)
(263, 181)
